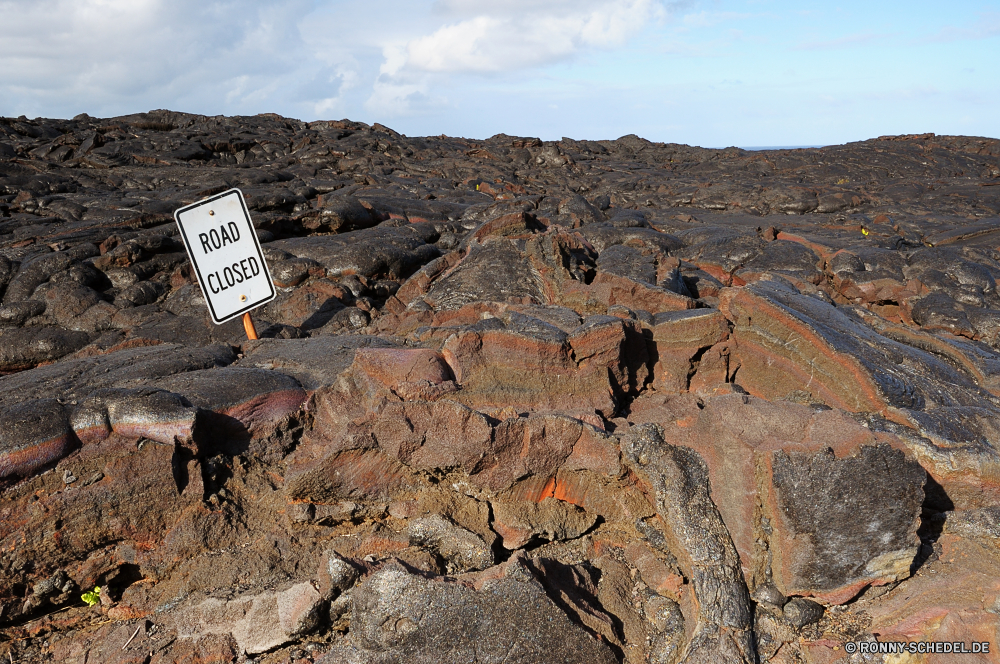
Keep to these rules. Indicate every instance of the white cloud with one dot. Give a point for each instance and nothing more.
(493, 39)
(106, 55)
(337, 104)
(298, 57)
(393, 99)
(517, 35)
(239, 87)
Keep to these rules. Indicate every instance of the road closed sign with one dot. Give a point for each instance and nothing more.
(226, 255)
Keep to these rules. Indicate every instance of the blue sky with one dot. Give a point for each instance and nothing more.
(746, 73)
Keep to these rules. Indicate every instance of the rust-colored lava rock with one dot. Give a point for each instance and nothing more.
(516, 401)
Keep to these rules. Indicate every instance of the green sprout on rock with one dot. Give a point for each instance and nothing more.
(92, 597)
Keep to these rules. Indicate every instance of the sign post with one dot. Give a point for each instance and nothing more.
(224, 249)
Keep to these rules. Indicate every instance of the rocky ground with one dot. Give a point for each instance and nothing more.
(516, 401)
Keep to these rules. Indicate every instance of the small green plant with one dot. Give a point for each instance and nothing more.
(92, 597)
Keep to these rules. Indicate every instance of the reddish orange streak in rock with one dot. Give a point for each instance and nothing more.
(267, 407)
(795, 325)
(562, 492)
(34, 456)
(822, 251)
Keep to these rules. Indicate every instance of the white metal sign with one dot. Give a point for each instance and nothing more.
(224, 249)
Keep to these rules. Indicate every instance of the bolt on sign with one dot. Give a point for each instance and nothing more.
(225, 252)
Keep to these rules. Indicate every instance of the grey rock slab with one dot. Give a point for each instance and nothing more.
(982, 523)
(314, 362)
(629, 262)
(74, 379)
(462, 550)
(340, 214)
(494, 270)
(801, 612)
(15, 314)
(26, 347)
(783, 255)
(605, 236)
(225, 389)
(258, 623)
(248, 409)
(398, 616)
(150, 413)
(34, 273)
(826, 521)
(388, 251)
(728, 248)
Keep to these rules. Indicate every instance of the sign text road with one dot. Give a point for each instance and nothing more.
(224, 249)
